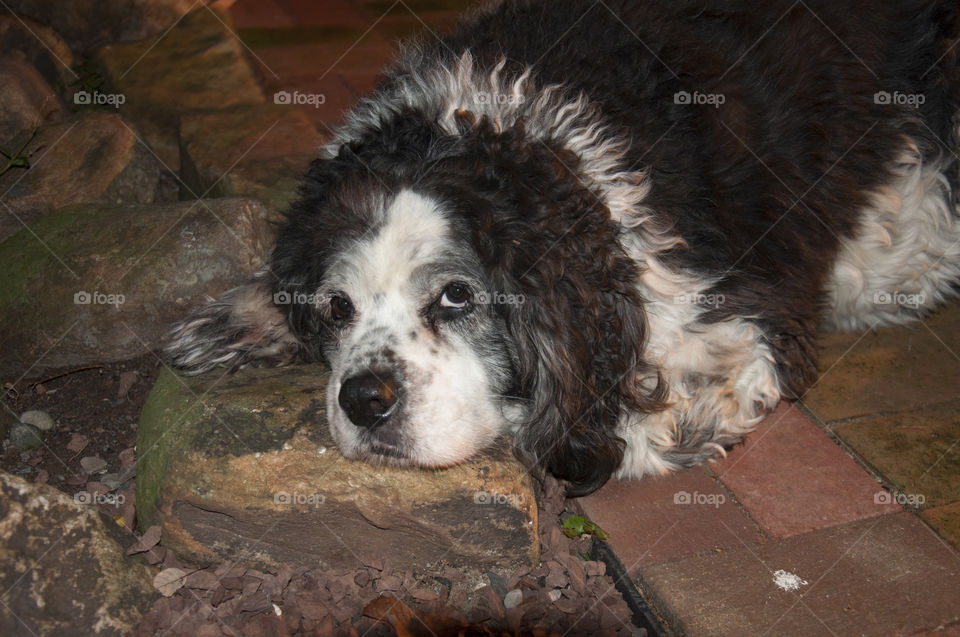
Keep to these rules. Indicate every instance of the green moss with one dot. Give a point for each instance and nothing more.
(166, 423)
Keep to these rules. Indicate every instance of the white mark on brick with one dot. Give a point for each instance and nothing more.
(788, 581)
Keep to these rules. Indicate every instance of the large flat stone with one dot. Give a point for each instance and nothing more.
(43, 47)
(198, 65)
(889, 575)
(242, 468)
(62, 569)
(90, 23)
(93, 157)
(28, 100)
(56, 307)
(256, 151)
(946, 520)
(892, 369)
(658, 519)
(918, 451)
(786, 474)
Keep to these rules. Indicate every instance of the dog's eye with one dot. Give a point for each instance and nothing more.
(341, 308)
(455, 295)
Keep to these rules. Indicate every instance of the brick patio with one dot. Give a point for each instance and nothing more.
(853, 494)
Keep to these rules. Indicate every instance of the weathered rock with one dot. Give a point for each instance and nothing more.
(61, 567)
(42, 47)
(197, 65)
(24, 436)
(86, 24)
(104, 282)
(251, 474)
(258, 151)
(38, 418)
(93, 157)
(28, 101)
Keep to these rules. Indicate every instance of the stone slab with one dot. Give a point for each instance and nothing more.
(242, 468)
(663, 518)
(892, 369)
(792, 478)
(198, 65)
(918, 451)
(63, 569)
(93, 157)
(92, 283)
(889, 575)
(946, 520)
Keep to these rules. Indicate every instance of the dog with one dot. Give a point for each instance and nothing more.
(610, 229)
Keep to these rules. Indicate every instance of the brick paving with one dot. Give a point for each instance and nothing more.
(853, 496)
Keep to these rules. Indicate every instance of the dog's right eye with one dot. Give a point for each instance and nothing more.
(341, 309)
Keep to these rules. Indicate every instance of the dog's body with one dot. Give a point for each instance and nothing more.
(612, 229)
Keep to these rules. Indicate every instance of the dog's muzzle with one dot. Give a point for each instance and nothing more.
(369, 398)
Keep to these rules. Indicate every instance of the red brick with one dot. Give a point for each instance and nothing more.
(793, 478)
(647, 525)
(369, 55)
(889, 575)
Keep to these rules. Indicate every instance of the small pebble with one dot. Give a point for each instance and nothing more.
(513, 598)
(93, 464)
(111, 480)
(39, 419)
(24, 436)
(554, 595)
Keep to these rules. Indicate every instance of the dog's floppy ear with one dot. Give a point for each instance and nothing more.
(242, 327)
(579, 333)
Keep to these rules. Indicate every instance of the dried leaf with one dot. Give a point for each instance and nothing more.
(169, 581)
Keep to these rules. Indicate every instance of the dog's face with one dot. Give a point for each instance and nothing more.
(419, 359)
(455, 297)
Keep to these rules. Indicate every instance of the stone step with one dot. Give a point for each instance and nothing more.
(242, 467)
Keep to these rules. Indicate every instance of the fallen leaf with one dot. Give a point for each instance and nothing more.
(146, 541)
(169, 581)
(78, 443)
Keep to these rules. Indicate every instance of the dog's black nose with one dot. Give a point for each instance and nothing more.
(369, 397)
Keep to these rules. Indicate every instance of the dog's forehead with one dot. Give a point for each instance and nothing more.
(412, 233)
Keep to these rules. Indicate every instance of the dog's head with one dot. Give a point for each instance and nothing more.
(460, 287)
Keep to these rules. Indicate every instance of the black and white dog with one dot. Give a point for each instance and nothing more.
(610, 228)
